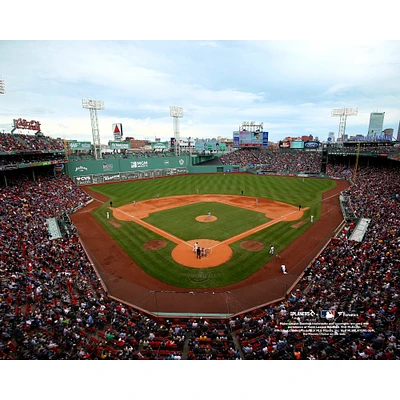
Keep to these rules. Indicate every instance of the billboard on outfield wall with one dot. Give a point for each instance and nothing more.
(103, 171)
(83, 180)
(159, 145)
(94, 167)
(125, 176)
(119, 145)
(80, 146)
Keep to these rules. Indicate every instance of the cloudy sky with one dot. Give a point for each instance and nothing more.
(289, 85)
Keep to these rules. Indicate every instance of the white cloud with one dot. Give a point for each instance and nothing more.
(291, 86)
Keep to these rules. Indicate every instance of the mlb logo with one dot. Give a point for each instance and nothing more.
(328, 314)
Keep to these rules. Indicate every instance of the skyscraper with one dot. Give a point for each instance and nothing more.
(375, 124)
(398, 133)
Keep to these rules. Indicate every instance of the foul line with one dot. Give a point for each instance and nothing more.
(149, 226)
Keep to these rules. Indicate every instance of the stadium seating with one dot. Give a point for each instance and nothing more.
(53, 306)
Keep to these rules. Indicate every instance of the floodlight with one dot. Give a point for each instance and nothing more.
(338, 112)
(343, 113)
(175, 111)
(93, 104)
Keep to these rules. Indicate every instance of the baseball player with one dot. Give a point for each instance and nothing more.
(209, 215)
(108, 215)
(272, 249)
(283, 268)
(312, 218)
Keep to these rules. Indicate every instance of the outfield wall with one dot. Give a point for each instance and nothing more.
(115, 170)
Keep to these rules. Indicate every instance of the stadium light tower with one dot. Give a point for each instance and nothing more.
(343, 113)
(93, 106)
(176, 113)
(2, 86)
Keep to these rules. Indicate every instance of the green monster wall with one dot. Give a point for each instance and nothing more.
(115, 170)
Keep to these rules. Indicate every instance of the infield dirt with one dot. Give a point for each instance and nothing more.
(220, 251)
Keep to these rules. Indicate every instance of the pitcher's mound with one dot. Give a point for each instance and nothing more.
(155, 244)
(204, 218)
(251, 245)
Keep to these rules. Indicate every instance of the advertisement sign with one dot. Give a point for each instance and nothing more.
(24, 124)
(297, 144)
(117, 131)
(111, 178)
(236, 139)
(159, 145)
(97, 179)
(119, 145)
(284, 144)
(83, 180)
(139, 164)
(107, 167)
(265, 139)
(311, 145)
(58, 167)
(79, 146)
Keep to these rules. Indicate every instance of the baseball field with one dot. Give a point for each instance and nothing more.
(235, 217)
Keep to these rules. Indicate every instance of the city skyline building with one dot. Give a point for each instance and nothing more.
(375, 124)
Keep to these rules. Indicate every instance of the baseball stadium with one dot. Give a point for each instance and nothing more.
(221, 251)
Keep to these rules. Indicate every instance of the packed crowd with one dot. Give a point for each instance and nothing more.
(53, 305)
(356, 282)
(277, 160)
(21, 142)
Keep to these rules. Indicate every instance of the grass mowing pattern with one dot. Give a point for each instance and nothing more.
(160, 264)
(181, 221)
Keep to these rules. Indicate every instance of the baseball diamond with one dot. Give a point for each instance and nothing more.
(168, 275)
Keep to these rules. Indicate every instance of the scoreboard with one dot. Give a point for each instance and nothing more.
(250, 139)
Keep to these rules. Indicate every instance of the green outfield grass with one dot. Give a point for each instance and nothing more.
(231, 221)
(243, 263)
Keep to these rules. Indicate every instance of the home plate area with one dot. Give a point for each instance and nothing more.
(216, 253)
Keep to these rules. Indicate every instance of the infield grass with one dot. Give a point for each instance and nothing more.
(231, 221)
(159, 263)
